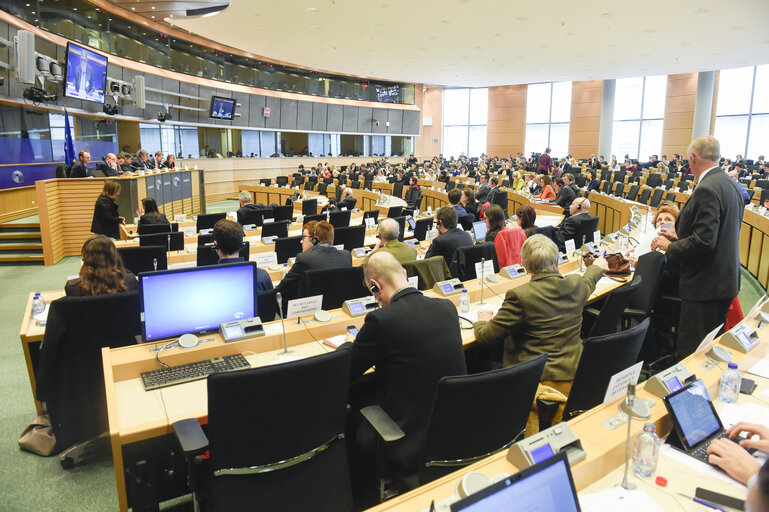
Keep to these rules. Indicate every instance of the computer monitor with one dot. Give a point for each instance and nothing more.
(222, 108)
(693, 414)
(480, 229)
(544, 487)
(85, 75)
(195, 300)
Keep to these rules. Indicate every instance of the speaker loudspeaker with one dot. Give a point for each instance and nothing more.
(25, 56)
(139, 95)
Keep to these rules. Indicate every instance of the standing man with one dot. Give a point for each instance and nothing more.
(545, 162)
(79, 170)
(706, 244)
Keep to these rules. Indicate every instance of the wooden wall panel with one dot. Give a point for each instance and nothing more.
(16, 203)
(506, 125)
(681, 97)
(585, 121)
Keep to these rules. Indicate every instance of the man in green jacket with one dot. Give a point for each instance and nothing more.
(543, 315)
(388, 232)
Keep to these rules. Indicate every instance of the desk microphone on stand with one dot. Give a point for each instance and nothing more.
(630, 399)
(279, 298)
(483, 268)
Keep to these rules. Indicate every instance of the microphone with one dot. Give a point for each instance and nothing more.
(483, 268)
(155, 263)
(279, 298)
(630, 399)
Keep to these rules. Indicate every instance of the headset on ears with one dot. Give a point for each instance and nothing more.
(374, 288)
(315, 240)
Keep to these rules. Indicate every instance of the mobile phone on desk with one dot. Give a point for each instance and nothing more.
(719, 499)
(747, 386)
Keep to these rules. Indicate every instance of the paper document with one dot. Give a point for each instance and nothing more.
(708, 340)
(644, 242)
(761, 369)
(473, 315)
(335, 341)
(43, 315)
(617, 498)
(732, 414)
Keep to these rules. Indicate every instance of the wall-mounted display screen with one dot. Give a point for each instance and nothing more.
(222, 108)
(86, 74)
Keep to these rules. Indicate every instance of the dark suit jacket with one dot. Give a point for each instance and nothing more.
(105, 218)
(319, 257)
(79, 170)
(565, 197)
(448, 242)
(250, 207)
(593, 185)
(413, 342)
(482, 192)
(152, 218)
(263, 281)
(568, 228)
(707, 248)
(492, 193)
(73, 289)
(348, 203)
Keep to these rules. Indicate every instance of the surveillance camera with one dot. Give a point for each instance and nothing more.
(377, 123)
(110, 110)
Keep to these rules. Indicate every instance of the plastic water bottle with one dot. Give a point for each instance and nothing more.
(464, 302)
(284, 270)
(731, 380)
(646, 451)
(38, 306)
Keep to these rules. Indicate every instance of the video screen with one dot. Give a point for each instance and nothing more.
(389, 94)
(86, 77)
(222, 108)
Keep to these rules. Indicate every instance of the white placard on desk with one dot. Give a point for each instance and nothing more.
(265, 259)
(761, 210)
(486, 268)
(304, 306)
(344, 208)
(618, 384)
(233, 216)
(267, 221)
(414, 282)
(597, 238)
(339, 247)
(369, 222)
(761, 368)
(708, 340)
(570, 246)
(189, 231)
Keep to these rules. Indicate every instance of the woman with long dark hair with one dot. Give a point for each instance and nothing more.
(102, 271)
(106, 220)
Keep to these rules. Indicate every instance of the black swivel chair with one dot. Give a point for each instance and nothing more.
(314, 218)
(149, 229)
(500, 198)
(450, 185)
(482, 403)
(370, 213)
(401, 227)
(683, 185)
(144, 259)
(336, 285)
(339, 219)
(619, 189)
(277, 228)
(668, 184)
(255, 217)
(206, 239)
(671, 196)
(351, 237)
(280, 213)
(207, 255)
(606, 187)
(398, 189)
(310, 185)
(632, 193)
(208, 221)
(644, 197)
(608, 320)
(584, 233)
(266, 182)
(656, 198)
(171, 241)
(310, 207)
(463, 262)
(602, 357)
(466, 221)
(267, 305)
(654, 180)
(280, 461)
(580, 180)
(70, 379)
(421, 227)
(394, 211)
(354, 184)
(287, 247)
(322, 188)
(649, 269)
(413, 204)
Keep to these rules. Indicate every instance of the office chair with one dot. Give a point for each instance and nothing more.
(654, 180)
(463, 262)
(656, 198)
(355, 184)
(632, 193)
(606, 187)
(309, 207)
(683, 186)
(249, 217)
(144, 259)
(421, 227)
(69, 374)
(206, 239)
(550, 232)
(367, 184)
(310, 185)
(322, 188)
(351, 237)
(265, 182)
(500, 198)
(671, 196)
(619, 176)
(149, 229)
(644, 198)
(580, 180)
(450, 185)
(282, 181)
(609, 319)
(584, 233)
(335, 284)
(687, 177)
(602, 357)
(172, 241)
(466, 221)
(314, 218)
(328, 181)
(496, 417)
(280, 213)
(287, 247)
(340, 219)
(394, 211)
(414, 204)
(428, 271)
(401, 220)
(207, 255)
(668, 184)
(763, 185)
(277, 228)
(398, 189)
(282, 461)
(208, 221)
(619, 189)
(370, 213)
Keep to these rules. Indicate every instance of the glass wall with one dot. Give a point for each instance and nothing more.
(639, 109)
(465, 114)
(548, 111)
(742, 112)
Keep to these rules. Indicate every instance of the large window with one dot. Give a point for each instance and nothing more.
(548, 110)
(639, 108)
(742, 112)
(465, 112)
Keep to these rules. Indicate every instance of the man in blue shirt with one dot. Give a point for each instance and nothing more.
(228, 239)
(736, 177)
(454, 196)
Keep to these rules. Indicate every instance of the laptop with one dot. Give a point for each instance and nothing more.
(695, 420)
(545, 487)
(480, 230)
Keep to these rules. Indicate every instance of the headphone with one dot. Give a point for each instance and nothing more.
(374, 288)
(315, 240)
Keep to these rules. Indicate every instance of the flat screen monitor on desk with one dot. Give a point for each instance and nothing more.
(194, 300)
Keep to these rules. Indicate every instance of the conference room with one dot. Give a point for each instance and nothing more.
(191, 215)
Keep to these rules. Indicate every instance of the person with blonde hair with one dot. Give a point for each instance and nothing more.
(106, 220)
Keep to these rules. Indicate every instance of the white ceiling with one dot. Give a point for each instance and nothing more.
(485, 43)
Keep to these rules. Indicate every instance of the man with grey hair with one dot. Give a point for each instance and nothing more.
(142, 160)
(246, 206)
(543, 315)
(705, 242)
(387, 234)
(110, 169)
(735, 175)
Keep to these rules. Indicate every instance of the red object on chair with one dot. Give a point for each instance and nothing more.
(734, 316)
(508, 244)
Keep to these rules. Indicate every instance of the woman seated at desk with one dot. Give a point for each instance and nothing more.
(518, 182)
(468, 202)
(151, 214)
(102, 271)
(495, 221)
(547, 194)
(526, 216)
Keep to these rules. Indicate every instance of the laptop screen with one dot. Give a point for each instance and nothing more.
(480, 229)
(544, 487)
(693, 414)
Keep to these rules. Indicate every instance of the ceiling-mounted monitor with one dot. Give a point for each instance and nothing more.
(86, 74)
(222, 108)
(388, 94)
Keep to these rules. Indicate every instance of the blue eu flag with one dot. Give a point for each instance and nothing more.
(69, 147)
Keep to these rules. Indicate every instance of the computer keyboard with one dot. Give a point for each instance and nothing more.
(701, 452)
(192, 371)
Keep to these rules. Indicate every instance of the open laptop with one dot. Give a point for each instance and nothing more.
(695, 420)
(480, 230)
(544, 487)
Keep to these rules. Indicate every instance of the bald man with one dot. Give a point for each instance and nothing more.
(567, 229)
(387, 234)
(413, 341)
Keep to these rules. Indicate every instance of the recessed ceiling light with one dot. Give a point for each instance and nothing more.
(153, 17)
(311, 9)
(521, 18)
(702, 10)
(607, 14)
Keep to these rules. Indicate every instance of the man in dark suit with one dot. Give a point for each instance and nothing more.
(413, 341)
(449, 238)
(142, 161)
(705, 242)
(347, 201)
(483, 189)
(568, 179)
(318, 253)
(565, 193)
(79, 170)
(110, 167)
(567, 229)
(494, 190)
(84, 80)
(244, 199)
(228, 239)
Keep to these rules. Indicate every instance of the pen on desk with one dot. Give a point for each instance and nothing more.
(703, 502)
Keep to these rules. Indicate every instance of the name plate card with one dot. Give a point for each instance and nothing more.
(618, 384)
(304, 306)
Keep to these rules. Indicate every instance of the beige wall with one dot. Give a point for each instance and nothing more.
(506, 126)
(585, 122)
(432, 107)
(680, 100)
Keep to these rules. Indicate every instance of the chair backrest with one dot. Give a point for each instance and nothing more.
(632, 193)
(309, 207)
(421, 227)
(267, 305)
(207, 255)
(656, 198)
(645, 193)
(278, 228)
(367, 184)
(654, 180)
(149, 229)
(62, 171)
(587, 227)
(142, 259)
(683, 186)
(620, 176)
(429, 271)
(314, 218)
(687, 177)
(172, 241)
(610, 316)
(302, 418)
(251, 217)
(340, 219)
(328, 181)
(322, 188)
(265, 182)
(335, 284)
(354, 184)
(401, 220)
(463, 262)
(580, 180)
(606, 187)
(650, 268)
(69, 373)
(206, 239)
(207, 221)
(398, 189)
(619, 189)
(282, 181)
(670, 196)
(450, 185)
(466, 221)
(394, 211)
(283, 212)
(508, 243)
(548, 231)
(310, 185)
(500, 198)
(370, 213)
(668, 184)
(493, 405)
(351, 237)
(762, 184)
(602, 357)
(287, 247)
